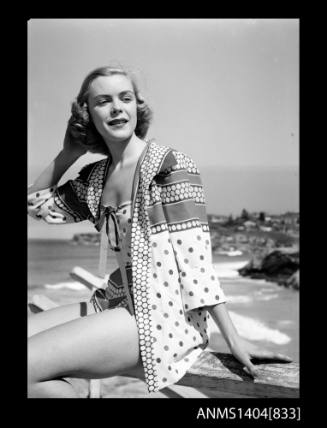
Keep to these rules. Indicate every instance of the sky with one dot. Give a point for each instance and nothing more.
(224, 91)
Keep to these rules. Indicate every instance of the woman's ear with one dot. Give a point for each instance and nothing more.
(139, 98)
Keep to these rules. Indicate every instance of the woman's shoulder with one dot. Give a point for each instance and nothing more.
(182, 157)
(89, 169)
(177, 159)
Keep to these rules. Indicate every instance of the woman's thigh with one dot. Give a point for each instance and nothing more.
(97, 346)
(52, 317)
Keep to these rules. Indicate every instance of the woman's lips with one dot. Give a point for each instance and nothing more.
(117, 122)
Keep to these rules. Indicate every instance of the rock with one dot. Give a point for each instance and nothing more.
(294, 281)
(86, 239)
(277, 266)
(279, 263)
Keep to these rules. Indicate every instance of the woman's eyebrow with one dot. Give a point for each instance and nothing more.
(101, 96)
(127, 91)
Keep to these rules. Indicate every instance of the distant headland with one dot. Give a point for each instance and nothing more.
(270, 241)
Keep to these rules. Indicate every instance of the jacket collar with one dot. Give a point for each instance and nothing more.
(97, 178)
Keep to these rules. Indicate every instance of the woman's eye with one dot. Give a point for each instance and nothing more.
(127, 97)
(101, 102)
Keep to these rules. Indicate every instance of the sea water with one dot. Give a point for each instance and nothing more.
(263, 312)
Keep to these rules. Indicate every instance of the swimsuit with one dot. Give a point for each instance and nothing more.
(119, 291)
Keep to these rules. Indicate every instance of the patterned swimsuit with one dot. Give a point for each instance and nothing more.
(115, 295)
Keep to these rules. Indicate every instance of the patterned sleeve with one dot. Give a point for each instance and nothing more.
(61, 204)
(183, 203)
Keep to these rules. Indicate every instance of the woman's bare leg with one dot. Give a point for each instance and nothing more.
(52, 317)
(96, 346)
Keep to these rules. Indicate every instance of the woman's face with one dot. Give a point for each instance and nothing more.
(112, 106)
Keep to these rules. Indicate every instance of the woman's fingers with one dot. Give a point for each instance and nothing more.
(256, 352)
(283, 357)
(261, 353)
(264, 354)
(245, 353)
(244, 358)
(250, 370)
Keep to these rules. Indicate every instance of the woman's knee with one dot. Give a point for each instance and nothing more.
(53, 317)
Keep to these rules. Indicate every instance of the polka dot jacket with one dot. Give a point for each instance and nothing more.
(173, 278)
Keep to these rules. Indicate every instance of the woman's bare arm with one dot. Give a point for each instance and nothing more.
(72, 150)
(53, 173)
(221, 317)
(240, 348)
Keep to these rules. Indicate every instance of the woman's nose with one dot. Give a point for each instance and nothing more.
(115, 107)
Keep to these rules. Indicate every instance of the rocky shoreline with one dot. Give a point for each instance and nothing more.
(86, 239)
(271, 241)
(280, 266)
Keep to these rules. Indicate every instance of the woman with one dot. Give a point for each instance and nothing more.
(147, 201)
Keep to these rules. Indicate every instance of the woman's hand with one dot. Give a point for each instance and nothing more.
(255, 352)
(241, 354)
(73, 146)
(244, 351)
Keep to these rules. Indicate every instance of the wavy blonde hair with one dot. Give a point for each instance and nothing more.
(80, 123)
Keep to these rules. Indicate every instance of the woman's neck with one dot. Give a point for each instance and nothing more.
(124, 153)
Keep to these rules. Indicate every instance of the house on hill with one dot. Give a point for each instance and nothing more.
(249, 224)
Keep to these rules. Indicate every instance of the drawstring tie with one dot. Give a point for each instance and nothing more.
(103, 226)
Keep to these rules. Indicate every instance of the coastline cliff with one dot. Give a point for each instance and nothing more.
(272, 242)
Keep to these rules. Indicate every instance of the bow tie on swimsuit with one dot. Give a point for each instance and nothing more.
(109, 213)
(109, 217)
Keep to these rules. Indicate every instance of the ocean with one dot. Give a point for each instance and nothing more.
(263, 312)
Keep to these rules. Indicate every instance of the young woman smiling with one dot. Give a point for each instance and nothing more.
(147, 201)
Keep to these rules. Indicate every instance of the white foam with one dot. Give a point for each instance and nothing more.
(251, 281)
(266, 298)
(229, 269)
(285, 322)
(253, 329)
(268, 290)
(236, 299)
(257, 295)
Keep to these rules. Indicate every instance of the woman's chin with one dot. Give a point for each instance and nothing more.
(118, 136)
